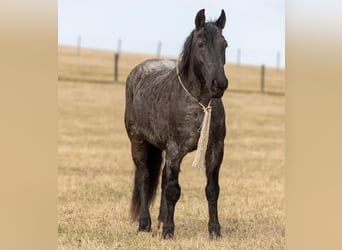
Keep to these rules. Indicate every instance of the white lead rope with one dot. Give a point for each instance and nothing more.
(202, 144)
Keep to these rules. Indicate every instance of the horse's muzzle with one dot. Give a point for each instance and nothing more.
(218, 88)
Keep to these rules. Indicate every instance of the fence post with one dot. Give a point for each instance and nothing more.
(79, 45)
(116, 62)
(262, 81)
(119, 46)
(278, 60)
(159, 48)
(238, 57)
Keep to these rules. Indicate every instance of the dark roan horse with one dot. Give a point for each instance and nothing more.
(161, 116)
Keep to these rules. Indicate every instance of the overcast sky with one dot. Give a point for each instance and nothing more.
(257, 27)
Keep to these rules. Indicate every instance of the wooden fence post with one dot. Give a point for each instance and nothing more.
(79, 45)
(238, 57)
(262, 81)
(116, 62)
(119, 46)
(159, 48)
(278, 60)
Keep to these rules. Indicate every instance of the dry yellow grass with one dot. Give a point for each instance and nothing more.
(96, 171)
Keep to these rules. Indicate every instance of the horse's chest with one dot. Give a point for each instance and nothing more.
(190, 141)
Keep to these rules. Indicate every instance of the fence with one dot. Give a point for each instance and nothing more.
(98, 66)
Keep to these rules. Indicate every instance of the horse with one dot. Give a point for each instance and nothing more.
(163, 117)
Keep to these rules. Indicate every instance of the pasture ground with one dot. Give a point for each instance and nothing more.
(95, 170)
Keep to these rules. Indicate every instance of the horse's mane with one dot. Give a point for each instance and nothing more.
(185, 55)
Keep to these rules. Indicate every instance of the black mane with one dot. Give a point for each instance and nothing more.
(185, 55)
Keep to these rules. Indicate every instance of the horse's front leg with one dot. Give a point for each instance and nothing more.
(171, 191)
(214, 156)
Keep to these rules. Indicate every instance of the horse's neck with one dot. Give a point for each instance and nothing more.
(195, 87)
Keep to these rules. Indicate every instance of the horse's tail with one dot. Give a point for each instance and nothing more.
(154, 162)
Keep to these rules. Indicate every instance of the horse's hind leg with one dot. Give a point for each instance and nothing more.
(163, 208)
(139, 207)
(171, 190)
(214, 158)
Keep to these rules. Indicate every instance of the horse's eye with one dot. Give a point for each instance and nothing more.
(201, 43)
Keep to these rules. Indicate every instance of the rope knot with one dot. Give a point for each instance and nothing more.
(207, 109)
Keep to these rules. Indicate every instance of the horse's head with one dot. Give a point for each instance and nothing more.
(208, 48)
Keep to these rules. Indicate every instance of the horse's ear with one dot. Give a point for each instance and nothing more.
(200, 19)
(221, 21)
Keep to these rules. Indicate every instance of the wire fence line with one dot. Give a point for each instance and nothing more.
(234, 54)
(100, 66)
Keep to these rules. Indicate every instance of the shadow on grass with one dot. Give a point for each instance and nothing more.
(231, 229)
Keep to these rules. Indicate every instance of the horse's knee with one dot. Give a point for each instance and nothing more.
(212, 192)
(172, 191)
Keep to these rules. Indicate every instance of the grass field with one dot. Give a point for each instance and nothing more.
(95, 170)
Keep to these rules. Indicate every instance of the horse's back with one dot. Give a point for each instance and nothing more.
(149, 67)
(156, 65)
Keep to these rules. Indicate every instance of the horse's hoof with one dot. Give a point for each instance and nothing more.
(167, 233)
(146, 229)
(214, 231)
(167, 236)
(214, 235)
(144, 225)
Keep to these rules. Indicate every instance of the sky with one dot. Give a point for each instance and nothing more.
(255, 27)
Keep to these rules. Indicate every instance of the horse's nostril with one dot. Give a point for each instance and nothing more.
(218, 85)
